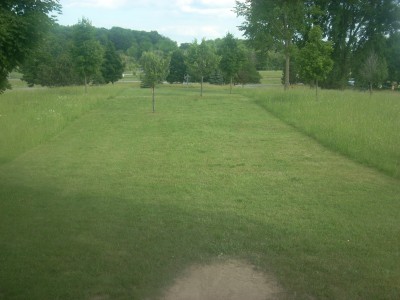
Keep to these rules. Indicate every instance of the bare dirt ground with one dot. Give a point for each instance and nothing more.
(228, 280)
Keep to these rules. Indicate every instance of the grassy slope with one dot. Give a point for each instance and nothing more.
(353, 123)
(123, 200)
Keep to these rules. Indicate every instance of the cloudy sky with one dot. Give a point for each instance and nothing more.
(180, 20)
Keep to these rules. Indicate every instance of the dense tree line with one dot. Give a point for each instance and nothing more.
(356, 30)
(319, 41)
(83, 54)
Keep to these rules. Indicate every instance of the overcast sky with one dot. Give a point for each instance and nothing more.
(180, 20)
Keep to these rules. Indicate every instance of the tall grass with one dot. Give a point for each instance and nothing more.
(29, 117)
(364, 128)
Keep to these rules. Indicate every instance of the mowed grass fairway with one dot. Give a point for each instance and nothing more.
(120, 201)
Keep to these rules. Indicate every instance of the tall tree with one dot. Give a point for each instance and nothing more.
(201, 60)
(23, 23)
(314, 59)
(392, 57)
(51, 64)
(272, 24)
(350, 25)
(177, 69)
(87, 51)
(248, 72)
(232, 58)
(112, 67)
(155, 68)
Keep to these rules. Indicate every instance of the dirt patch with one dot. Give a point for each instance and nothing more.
(233, 280)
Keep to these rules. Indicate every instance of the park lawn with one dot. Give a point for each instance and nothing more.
(363, 127)
(122, 200)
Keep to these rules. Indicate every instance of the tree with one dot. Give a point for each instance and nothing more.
(392, 57)
(350, 25)
(201, 60)
(51, 63)
(314, 58)
(177, 68)
(155, 69)
(112, 67)
(374, 70)
(271, 24)
(231, 58)
(248, 72)
(87, 51)
(23, 24)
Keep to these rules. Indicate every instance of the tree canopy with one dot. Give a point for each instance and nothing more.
(353, 27)
(202, 60)
(278, 37)
(272, 24)
(315, 61)
(23, 24)
(155, 68)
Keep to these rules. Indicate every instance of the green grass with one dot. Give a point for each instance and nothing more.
(353, 123)
(29, 117)
(271, 77)
(122, 200)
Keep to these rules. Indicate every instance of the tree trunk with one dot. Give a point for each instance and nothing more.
(230, 91)
(316, 89)
(154, 100)
(287, 55)
(85, 82)
(370, 88)
(201, 86)
(287, 71)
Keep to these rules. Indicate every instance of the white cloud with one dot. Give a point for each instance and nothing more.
(94, 3)
(181, 20)
(192, 32)
(206, 7)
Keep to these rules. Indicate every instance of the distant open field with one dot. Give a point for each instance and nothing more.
(271, 77)
(102, 199)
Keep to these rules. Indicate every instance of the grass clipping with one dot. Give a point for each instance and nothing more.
(224, 280)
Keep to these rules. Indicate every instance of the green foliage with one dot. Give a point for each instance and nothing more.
(248, 72)
(134, 42)
(392, 57)
(23, 24)
(373, 70)
(216, 77)
(350, 25)
(112, 67)
(201, 60)
(177, 68)
(52, 64)
(87, 51)
(314, 59)
(273, 25)
(231, 56)
(155, 68)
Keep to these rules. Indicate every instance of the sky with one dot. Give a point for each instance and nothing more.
(180, 20)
